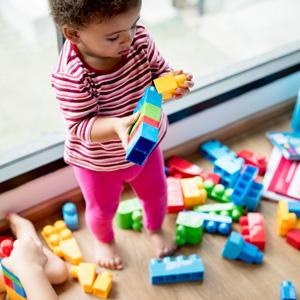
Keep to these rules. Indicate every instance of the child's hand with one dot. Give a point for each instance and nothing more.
(122, 126)
(27, 253)
(185, 87)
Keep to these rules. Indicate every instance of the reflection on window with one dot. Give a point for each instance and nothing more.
(204, 36)
(28, 53)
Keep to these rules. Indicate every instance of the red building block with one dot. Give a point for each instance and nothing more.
(254, 159)
(175, 198)
(6, 246)
(253, 229)
(293, 238)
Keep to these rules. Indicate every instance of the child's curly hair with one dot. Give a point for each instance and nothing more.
(79, 13)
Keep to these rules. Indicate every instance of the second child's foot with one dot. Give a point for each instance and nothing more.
(107, 256)
(164, 246)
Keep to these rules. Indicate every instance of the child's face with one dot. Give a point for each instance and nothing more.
(111, 38)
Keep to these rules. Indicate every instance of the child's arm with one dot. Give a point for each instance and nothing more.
(27, 261)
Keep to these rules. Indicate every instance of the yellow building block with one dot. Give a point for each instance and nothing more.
(103, 285)
(86, 274)
(69, 250)
(166, 85)
(193, 192)
(284, 219)
(12, 295)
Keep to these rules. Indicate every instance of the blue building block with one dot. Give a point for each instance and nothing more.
(142, 144)
(246, 191)
(70, 215)
(295, 123)
(287, 291)
(150, 96)
(294, 207)
(213, 150)
(237, 248)
(229, 169)
(178, 269)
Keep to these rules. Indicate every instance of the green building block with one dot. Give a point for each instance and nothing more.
(223, 209)
(189, 229)
(217, 192)
(129, 215)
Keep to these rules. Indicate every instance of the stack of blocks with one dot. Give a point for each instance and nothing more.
(129, 215)
(13, 286)
(179, 269)
(247, 192)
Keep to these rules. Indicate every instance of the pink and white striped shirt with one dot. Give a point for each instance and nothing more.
(85, 93)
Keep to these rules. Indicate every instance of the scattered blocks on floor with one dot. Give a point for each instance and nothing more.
(70, 215)
(293, 238)
(287, 291)
(254, 159)
(217, 192)
(285, 220)
(178, 269)
(175, 198)
(189, 229)
(223, 209)
(129, 215)
(253, 229)
(247, 192)
(237, 248)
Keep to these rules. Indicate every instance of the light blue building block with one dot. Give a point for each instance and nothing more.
(150, 96)
(229, 169)
(247, 192)
(142, 144)
(294, 207)
(70, 215)
(287, 291)
(213, 150)
(237, 248)
(295, 123)
(178, 269)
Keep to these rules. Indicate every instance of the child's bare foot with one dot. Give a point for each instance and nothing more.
(55, 269)
(163, 245)
(107, 256)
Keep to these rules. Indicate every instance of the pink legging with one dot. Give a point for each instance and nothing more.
(102, 193)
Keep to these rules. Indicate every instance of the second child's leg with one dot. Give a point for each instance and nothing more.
(151, 187)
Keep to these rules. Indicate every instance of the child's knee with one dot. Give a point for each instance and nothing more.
(56, 271)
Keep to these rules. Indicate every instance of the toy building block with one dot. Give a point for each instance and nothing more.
(189, 229)
(293, 238)
(224, 209)
(86, 275)
(287, 291)
(285, 220)
(103, 285)
(178, 269)
(143, 136)
(70, 215)
(254, 230)
(177, 164)
(254, 159)
(237, 248)
(175, 198)
(213, 150)
(229, 169)
(193, 191)
(294, 207)
(61, 241)
(217, 192)
(167, 85)
(129, 215)
(214, 223)
(247, 192)
(13, 285)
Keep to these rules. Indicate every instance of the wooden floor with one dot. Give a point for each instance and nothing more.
(223, 279)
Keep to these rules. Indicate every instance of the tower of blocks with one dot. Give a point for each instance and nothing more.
(70, 215)
(247, 192)
(223, 209)
(91, 283)
(175, 198)
(13, 285)
(217, 192)
(253, 229)
(129, 215)
(237, 248)
(287, 291)
(178, 269)
(61, 241)
(189, 229)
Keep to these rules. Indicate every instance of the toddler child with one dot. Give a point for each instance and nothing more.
(105, 65)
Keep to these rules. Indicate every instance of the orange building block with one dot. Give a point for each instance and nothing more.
(86, 274)
(193, 192)
(69, 251)
(284, 219)
(103, 285)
